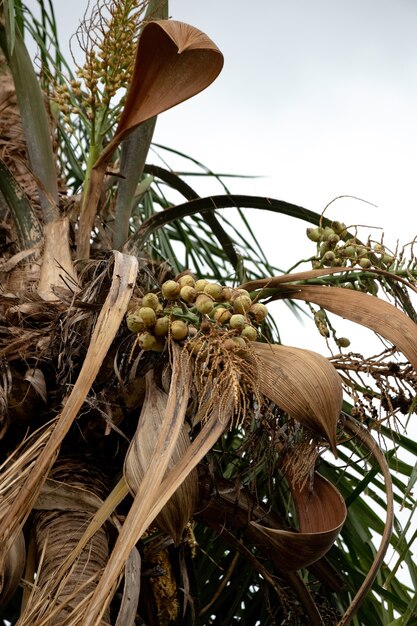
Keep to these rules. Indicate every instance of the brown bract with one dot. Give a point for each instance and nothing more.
(303, 384)
(174, 61)
(321, 513)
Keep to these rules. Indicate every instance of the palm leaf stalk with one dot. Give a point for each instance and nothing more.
(165, 460)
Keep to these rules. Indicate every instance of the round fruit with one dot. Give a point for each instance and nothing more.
(340, 228)
(147, 341)
(333, 239)
(240, 345)
(148, 316)
(259, 311)
(328, 233)
(222, 315)
(204, 304)
(197, 347)
(186, 280)
(135, 323)
(387, 259)
(315, 234)
(179, 330)
(214, 290)
(200, 285)
(242, 304)
(365, 263)
(229, 344)
(250, 333)
(329, 257)
(237, 322)
(161, 327)
(343, 342)
(324, 247)
(170, 289)
(361, 251)
(236, 293)
(188, 294)
(349, 252)
(150, 300)
(379, 248)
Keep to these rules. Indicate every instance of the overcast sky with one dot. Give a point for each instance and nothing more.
(319, 98)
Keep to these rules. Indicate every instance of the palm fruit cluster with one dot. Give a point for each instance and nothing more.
(336, 249)
(186, 308)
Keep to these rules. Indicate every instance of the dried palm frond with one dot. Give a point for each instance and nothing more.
(106, 328)
(186, 62)
(179, 509)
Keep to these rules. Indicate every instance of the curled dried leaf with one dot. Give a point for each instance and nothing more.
(303, 384)
(362, 308)
(321, 514)
(174, 61)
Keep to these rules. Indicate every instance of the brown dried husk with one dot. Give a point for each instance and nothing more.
(303, 384)
(57, 532)
(154, 494)
(177, 512)
(13, 569)
(107, 325)
(321, 513)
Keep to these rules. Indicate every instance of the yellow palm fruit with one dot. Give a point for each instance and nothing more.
(214, 290)
(188, 294)
(186, 280)
(200, 285)
(204, 304)
(147, 341)
(179, 330)
(258, 311)
(170, 289)
(148, 316)
(237, 321)
(242, 304)
(249, 332)
(222, 315)
(150, 300)
(134, 322)
(161, 327)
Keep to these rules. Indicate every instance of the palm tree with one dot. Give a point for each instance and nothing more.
(165, 460)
